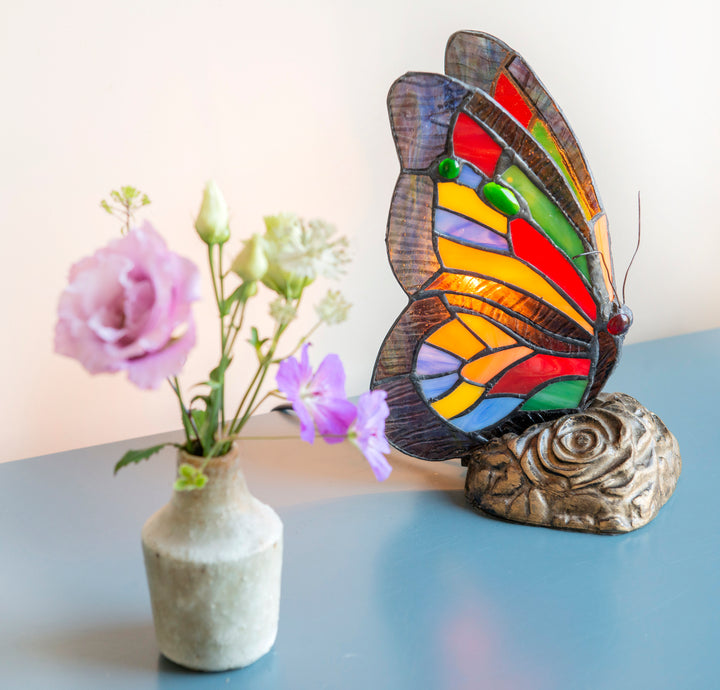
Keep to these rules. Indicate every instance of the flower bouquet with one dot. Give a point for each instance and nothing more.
(213, 554)
(128, 307)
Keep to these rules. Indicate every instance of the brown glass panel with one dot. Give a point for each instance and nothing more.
(414, 429)
(421, 107)
(475, 58)
(528, 306)
(409, 235)
(607, 359)
(398, 351)
(531, 334)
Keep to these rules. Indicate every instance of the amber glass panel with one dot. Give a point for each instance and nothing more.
(488, 366)
(458, 400)
(472, 143)
(454, 337)
(602, 240)
(460, 199)
(487, 331)
(548, 216)
(511, 270)
(526, 330)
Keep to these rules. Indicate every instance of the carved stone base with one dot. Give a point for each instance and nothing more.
(609, 468)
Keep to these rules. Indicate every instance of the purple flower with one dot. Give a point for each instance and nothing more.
(368, 431)
(317, 398)
(127, 307)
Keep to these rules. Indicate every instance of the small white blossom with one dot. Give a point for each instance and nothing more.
(282, 311)
(299, 253)
(333, 308)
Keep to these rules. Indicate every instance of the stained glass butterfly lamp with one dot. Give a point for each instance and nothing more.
(514, 323)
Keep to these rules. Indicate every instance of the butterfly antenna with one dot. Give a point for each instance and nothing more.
(634, 254)
(607, 268)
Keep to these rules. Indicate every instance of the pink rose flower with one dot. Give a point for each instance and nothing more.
(127, 307)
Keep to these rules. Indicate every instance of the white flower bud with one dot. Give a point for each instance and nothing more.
(213, 218)
(251, 263)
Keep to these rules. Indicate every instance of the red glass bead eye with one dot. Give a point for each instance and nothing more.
(619, 324)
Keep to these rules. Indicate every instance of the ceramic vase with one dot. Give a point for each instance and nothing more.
(213, 560)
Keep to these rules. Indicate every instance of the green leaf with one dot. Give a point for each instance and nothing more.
(135, 456)
(199, 418)
(190, 478)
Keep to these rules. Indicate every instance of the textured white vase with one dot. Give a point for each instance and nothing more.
(213, 559)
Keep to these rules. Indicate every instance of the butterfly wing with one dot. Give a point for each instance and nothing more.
(504, 323)
(488, 64)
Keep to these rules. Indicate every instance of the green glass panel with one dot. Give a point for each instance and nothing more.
(449, 168)
(542, 135)
(557, 396)
(548, 216)
(501, 198)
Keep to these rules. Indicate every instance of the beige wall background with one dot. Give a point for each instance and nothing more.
(283, 103)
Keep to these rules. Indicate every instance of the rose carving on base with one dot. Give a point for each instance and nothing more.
(609, 468)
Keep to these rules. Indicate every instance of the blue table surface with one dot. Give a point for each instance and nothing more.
(399, 585)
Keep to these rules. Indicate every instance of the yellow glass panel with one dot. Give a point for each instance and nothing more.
(461, 199)
(454, 337)
(458, 400)
(602, 240)
(510, 270)
(487, 331)
(484, 368)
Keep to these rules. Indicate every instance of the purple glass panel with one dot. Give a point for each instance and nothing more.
(452, 225)
(431, 361)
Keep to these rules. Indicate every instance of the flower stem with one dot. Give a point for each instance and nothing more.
(257, 381)
(188, 421)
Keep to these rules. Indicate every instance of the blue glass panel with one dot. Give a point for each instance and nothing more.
(470, 178)
(448, 224)
(431, 388)
(487, 413)
(433, 361)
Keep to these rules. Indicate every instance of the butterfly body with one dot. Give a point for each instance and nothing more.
(499, 240)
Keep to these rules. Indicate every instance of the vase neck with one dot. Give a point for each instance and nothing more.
(226, 482)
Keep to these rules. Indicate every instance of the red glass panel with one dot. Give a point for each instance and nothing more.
(509, 98)
(539, 252)
(528, 374)
(474, 144)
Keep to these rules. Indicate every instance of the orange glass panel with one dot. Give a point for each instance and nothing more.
(458, 400)
(510, 270)
(454, 337)
(461, 199)
(487, 331)
(486, 367)
(602, 240)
